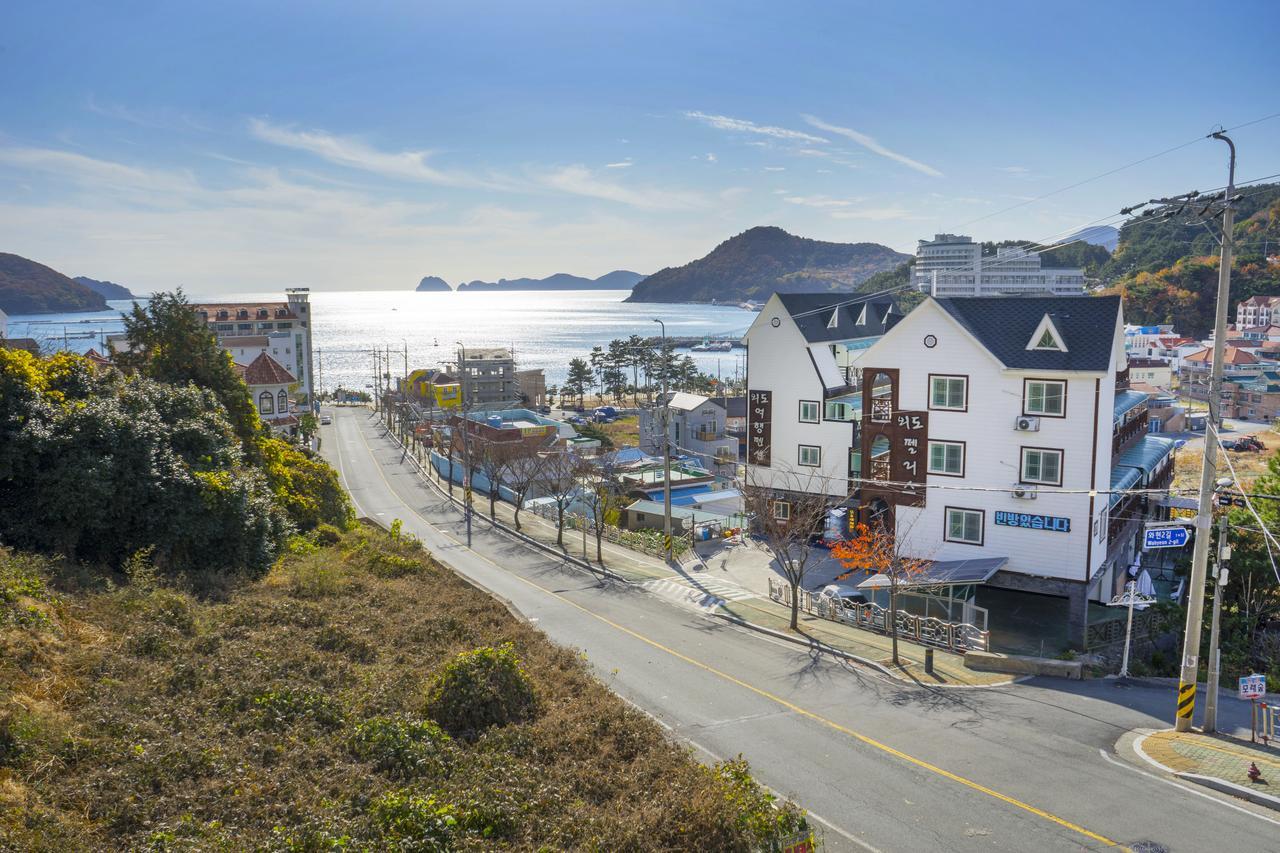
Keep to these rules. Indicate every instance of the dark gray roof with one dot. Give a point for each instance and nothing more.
(1004, 325)
(814, 325)
(946, 573)
(734, 407)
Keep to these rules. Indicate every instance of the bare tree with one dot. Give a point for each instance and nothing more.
(560, 481)
(523, 473)
(785, 517)
(494, 458)
(602, 496)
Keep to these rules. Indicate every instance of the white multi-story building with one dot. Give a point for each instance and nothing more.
(952, 265)
(1257, 311)
(995, 434)
(286, 326)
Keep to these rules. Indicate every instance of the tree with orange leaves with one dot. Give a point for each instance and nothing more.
(875, 550)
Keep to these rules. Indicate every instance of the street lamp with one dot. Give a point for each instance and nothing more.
(666, 447)
(466, 445)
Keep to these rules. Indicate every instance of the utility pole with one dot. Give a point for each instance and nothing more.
(1215, 669)
(1189, 673)
(666, 449)
(466, 446)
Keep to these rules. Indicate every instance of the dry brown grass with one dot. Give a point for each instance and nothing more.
(1248, 466)
(144, 718)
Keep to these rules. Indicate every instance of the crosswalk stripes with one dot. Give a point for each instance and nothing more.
(704, 593)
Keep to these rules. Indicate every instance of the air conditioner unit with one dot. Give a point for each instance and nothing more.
(1026, 493)
(1027, 423)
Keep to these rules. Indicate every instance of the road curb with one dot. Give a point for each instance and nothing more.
(1234, 790)
(605, 574)
(1213, 783)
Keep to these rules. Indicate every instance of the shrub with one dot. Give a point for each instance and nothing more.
(393, 565)
(325, 535)
(416, 822)
(756, 810)
(333, 639)
(280, 708)
(481, 688)
(401, 746)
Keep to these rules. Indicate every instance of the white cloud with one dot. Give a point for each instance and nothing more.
(871, 144)
(621, 164)
(710, 158)
(739, 125)
(775, 168)
(579, 180)
(352, 153)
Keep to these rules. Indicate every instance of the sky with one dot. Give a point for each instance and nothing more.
(237, 146)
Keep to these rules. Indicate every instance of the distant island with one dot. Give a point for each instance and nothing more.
(28, 287)
(616, 280)
(765, 260)
(106, 289)
(433, 284)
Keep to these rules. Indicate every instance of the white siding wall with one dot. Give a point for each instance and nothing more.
(993, 454)
(778, 361)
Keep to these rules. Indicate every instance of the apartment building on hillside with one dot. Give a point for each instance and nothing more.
(1257, 311)
(952, 265)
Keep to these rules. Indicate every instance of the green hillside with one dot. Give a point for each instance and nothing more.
(27, 287)
(765, 260)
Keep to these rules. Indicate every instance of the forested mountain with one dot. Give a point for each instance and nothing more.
(616, 280)
(105, 289)
(765, 260)
(27, 287)
(1168, 271)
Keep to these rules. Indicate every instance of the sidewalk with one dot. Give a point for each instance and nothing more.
(1216, 761)
(757, 610)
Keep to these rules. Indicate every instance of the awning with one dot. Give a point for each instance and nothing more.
(1178, 502)
(946, 573)
(1122, 478)
(1147, 453)
(1126, 400)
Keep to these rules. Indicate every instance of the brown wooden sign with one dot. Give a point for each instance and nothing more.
(760, 428)
(897, 467)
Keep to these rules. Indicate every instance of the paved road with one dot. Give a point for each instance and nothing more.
(883, 766)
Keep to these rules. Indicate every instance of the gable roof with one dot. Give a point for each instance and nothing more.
(688, 402)
(265, 370)
(1003, 324)
(814, 314)
(1231, 355)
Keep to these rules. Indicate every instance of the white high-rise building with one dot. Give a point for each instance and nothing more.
(282, 329)
(953, 265)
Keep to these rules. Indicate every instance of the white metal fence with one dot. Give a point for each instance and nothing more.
(928, 630)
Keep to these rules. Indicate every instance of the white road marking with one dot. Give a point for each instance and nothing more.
(1181, 787)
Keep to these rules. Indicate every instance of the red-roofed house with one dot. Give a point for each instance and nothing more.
(281, 328)
(269, 383)
(1238, 365)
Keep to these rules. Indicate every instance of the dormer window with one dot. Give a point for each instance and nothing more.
(835, 319)
(1046, 337)
(862, 316)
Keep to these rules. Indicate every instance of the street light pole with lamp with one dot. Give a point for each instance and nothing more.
(466, 446)
(666, 448)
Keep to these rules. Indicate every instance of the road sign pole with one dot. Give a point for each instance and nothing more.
(1215, 656)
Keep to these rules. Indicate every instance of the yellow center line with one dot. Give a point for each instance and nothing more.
(791, 706)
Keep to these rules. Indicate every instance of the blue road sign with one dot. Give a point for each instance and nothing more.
(1166, 537)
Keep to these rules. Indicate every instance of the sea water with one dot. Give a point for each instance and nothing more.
(544, 328)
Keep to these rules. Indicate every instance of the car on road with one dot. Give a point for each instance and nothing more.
(325, 420)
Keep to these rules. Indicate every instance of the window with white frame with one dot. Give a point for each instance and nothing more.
(809, 411)
(948, 392)
(1042, 465)
(810, 455)
(947, 458)
(782, 510)
(1044, 397)
(964, 526)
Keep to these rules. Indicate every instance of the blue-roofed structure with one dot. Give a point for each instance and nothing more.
(1127, 401)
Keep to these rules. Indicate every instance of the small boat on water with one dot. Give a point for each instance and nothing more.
(708, 345)
(750, 306)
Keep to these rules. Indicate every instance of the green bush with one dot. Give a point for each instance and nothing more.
(415, 822)
(280, 708)
(481, 688)
(757, 811)
(325, 535)
(401, 746)
(386, 565)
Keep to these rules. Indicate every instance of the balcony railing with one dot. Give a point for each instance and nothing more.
(1127, 434)
(707, 434)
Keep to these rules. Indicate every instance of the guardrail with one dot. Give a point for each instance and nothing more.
(926, 630)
